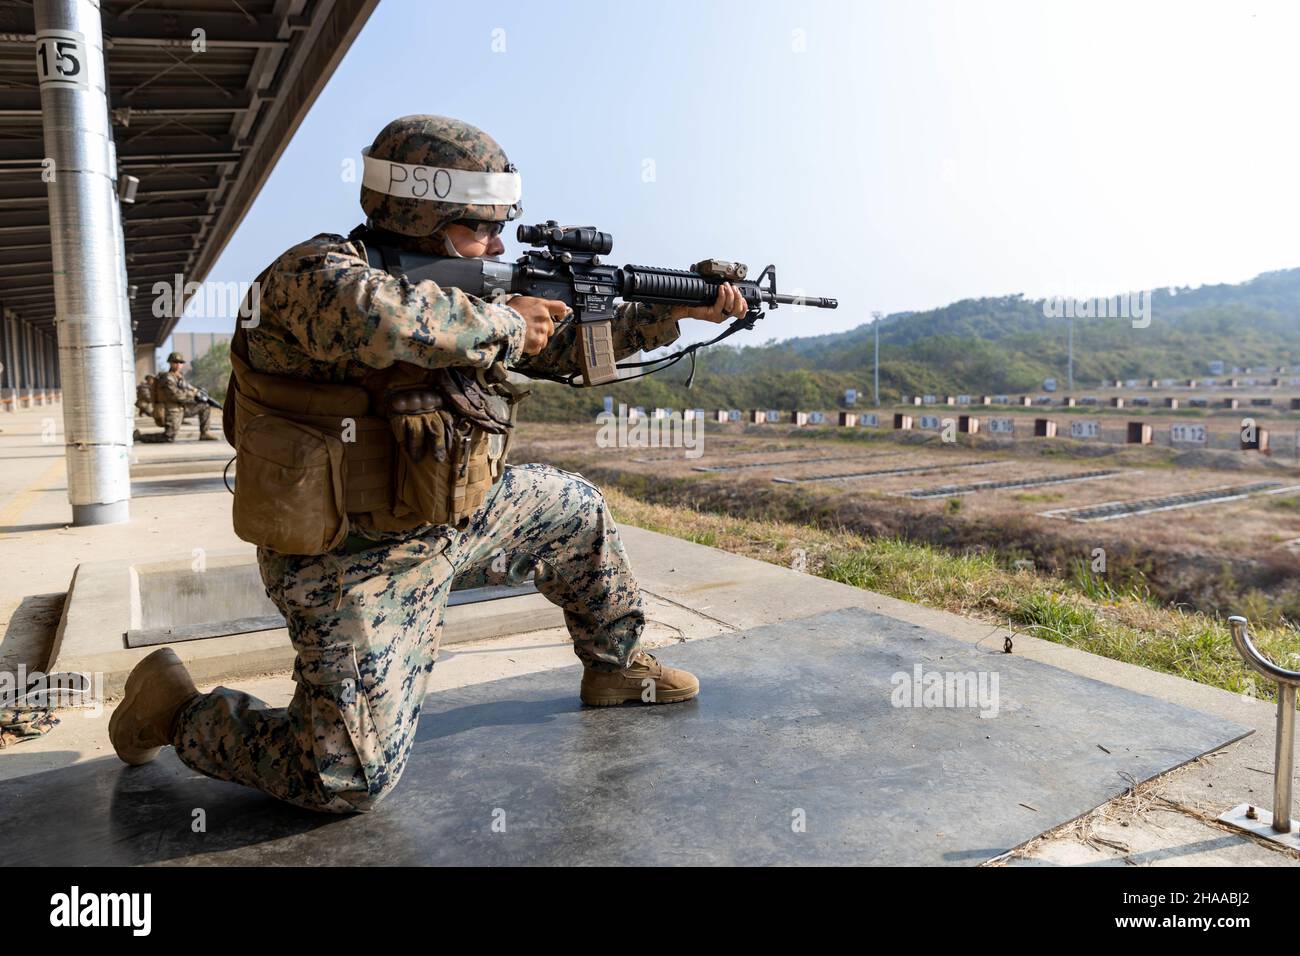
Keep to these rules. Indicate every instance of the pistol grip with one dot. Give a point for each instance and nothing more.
(597, 344)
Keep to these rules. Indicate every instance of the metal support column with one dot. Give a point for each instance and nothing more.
(90, 300)
(38, 368)
(875, 378)
(128, 338)
(7, 399)
(29, 378)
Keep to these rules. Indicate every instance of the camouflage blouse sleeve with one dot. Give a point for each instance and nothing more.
(173, 388)
(337, 307)
(637, 327)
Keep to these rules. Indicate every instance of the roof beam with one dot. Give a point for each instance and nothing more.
(42, 226)
(28, 298)
(8, 291)
(22, 267)
(151, 211)
(150, 220)
(25, 219)
(13, 248)
(171, 162)
(160, 150)
(138, 27)
(143, 27)
(145, 103)
(134, 242)
(166, 254)
(24, 202)
(143, 232)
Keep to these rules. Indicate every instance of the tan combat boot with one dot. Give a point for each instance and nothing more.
(644, 679)
(206, 436)
(159, 686)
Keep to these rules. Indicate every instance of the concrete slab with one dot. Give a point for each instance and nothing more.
(108, 599)
(82, 734)
(796, 753)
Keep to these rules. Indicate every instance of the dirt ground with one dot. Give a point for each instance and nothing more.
(1009, 495)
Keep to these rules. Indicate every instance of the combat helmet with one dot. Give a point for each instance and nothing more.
(423, 172)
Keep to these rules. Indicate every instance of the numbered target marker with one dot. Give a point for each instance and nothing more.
(1191, 434)
(1084, 430)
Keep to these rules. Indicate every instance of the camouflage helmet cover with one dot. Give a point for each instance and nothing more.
(176, 357)
(434, 141)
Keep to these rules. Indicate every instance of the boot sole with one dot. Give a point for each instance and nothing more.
(673, 697)
(134, 758)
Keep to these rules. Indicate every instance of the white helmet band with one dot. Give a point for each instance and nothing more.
(440, 184)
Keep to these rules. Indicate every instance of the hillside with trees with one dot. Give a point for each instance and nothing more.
(1007, 344)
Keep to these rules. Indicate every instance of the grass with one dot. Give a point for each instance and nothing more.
(1086, 610)
(1038, 497)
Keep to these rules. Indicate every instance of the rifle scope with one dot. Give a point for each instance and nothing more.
(573, 238)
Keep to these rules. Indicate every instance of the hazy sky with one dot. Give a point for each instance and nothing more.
(895, 155)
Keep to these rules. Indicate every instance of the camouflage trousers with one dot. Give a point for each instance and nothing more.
(366, 623)
(174, 414)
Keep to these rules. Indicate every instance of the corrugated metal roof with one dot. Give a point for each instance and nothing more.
(201, 130)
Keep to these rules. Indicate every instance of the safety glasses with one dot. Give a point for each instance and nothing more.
(484, 230)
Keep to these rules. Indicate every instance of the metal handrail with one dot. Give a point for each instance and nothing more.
(1284, 746)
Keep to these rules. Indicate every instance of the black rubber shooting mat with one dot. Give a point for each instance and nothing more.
(795, 753)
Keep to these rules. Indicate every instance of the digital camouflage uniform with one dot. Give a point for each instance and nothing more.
(366, 619)
(178, 400)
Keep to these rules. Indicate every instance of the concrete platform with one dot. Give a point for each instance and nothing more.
(113, 606)
(693, 593)
(798, 752)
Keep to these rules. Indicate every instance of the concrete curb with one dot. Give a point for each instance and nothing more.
(105, 601)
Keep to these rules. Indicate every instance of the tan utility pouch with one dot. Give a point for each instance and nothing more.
(289, 488)
(445, 492)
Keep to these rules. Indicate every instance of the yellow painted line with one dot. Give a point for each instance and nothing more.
(12, 512)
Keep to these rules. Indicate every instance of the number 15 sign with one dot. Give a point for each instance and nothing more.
(61, 59)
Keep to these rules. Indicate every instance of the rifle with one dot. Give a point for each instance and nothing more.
(202, 395)
(570, 270)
